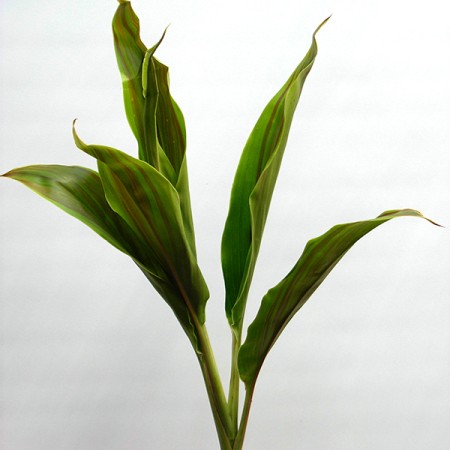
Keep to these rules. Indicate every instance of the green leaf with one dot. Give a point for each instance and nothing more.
(150, 99)
(150, 205)
(79, 192)
(130, 53)
(150, 109)
(253, 187)
(171, 137)
(170, 120)
(281, 302)
(154, 117)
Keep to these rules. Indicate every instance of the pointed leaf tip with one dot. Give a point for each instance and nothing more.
(78, 142)
(148, 55)
(409, 212)
(253, 186)
(321, 25)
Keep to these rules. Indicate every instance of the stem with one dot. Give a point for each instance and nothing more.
(239, 441)
(216, 395)
(233, 393)
(213, 382)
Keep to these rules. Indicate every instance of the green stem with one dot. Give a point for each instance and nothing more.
(216, 395)
(239, 441)
(213, 382)
(233, 393)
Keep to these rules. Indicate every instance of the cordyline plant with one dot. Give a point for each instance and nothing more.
(142, 207)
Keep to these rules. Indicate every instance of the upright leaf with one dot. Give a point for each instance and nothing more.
(130, 53)
(170, 120)
(150, 205)
(253, 187)
(171, 137)
(154, 117)
(150, 93)
(281, 302)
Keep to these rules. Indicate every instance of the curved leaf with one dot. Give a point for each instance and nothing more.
(253, 187)
(130, 53)
(281, 302)
(154, 117)
(79, 192)
(150, 205)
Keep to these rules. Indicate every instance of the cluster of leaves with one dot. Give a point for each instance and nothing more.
(142, 207)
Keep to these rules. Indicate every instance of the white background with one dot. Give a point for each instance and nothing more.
(92, 359)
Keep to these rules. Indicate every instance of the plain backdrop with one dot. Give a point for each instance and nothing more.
(92, 359)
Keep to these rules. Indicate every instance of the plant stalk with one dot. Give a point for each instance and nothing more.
(216, 395)
(239, 441)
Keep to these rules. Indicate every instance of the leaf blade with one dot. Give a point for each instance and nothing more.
(150, 205)
(171, 136)
(130, 52)
(154, 117)
(284, 300)
(79, 192)
(253, 188)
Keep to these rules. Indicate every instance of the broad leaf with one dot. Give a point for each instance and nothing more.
(253, 187)
(154, 117)
(79, 192)
(150, 205)
(281, 302)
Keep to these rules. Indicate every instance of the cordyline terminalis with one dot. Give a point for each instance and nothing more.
(142, 207)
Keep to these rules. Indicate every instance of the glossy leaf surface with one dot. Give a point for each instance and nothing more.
(253, 186)
(281, 303)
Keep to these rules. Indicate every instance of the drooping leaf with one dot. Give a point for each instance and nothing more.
(79, 192)
(253, 187)
(154, 117)
(150, 205)
(281, 302)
